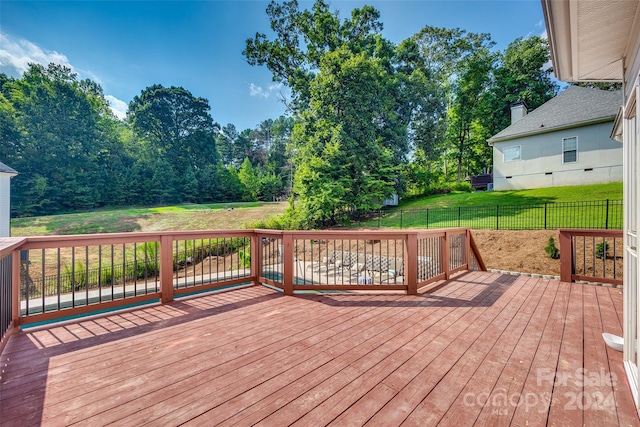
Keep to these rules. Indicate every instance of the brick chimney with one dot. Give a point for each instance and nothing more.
(518, 111)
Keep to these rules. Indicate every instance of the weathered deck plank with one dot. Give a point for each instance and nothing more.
(253, 356)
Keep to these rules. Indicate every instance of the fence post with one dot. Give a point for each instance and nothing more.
(606, 222)
(427, 218)
(400, 219)
(379, 216)
(459, 208)
(446, 255)
(411, 264)
(166, 268)
(545, 216)
(287, 264)
(497, 217)
(566, 256)
(256, 257)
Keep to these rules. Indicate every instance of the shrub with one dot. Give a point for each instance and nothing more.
(551, 249)
(602, 250)
(244, 255)
(75, 277)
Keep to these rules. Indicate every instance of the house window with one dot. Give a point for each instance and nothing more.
(570, 149)
(511, 153)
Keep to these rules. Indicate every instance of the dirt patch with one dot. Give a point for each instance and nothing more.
(521, 251)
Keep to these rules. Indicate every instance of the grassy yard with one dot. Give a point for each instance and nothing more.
(477, 210)
(589, 206)
(183, 217)
(612, 191)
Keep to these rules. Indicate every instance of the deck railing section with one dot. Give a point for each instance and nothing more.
(5, 296)
(360, 261)
(210, 260)
(57, 277)
(8, 288)
(591, 255)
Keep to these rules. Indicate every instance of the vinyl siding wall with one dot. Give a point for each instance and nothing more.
(541, 160)
(4, 205)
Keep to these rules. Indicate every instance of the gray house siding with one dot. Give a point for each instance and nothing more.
(599, 159)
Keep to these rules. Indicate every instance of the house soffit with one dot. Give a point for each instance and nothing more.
(588, 39)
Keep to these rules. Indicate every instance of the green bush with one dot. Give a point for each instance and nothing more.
(602, 250)
(551, 249)
(448, 187)
(75, 277)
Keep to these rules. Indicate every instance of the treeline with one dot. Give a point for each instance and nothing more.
(369, 118)
(72, 153)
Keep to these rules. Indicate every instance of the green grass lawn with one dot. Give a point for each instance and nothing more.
(559, 207)
(612, 191)
(476, 210)
(181, 217)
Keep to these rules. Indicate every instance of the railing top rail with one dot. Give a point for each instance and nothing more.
(39, 242)
(358, 234)
(8, 244)
(590, 232)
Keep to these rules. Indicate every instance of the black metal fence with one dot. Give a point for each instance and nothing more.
(599, 214)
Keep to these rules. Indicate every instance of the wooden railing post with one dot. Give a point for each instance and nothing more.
(15, 290)
(166, 268)
(476, 253)
(256, 257)
(287, 264)
(446, 255)
(467, 249)
(566, 256)
(411, 264)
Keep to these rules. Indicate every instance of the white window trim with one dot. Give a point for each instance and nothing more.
(563, 150)
(512, 160)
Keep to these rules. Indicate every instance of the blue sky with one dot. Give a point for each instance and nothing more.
(129, 45)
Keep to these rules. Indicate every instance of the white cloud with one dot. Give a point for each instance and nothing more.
(540, 23)
(544, 34)
(118, 107)
(255, 90)
(17, 54)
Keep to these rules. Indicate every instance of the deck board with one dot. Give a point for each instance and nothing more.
(250, 356)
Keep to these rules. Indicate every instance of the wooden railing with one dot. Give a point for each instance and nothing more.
(405, 261)
(57, 277)
(9, 291)
(591, 255)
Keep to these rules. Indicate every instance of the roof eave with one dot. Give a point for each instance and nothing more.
(559, 34)
(540, 131)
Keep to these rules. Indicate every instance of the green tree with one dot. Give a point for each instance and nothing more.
(57, 134)
(341, 159)
(520, 75)
(249, 180)
(176, 129)
(465, 133)
(353, 104)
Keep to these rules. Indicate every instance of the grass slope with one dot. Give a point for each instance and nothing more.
(612, 191)
(512, 210)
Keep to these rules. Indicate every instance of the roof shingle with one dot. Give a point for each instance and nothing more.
(6, 169)
(577, 106)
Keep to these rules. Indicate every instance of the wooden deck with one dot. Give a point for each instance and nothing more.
(482, 349)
